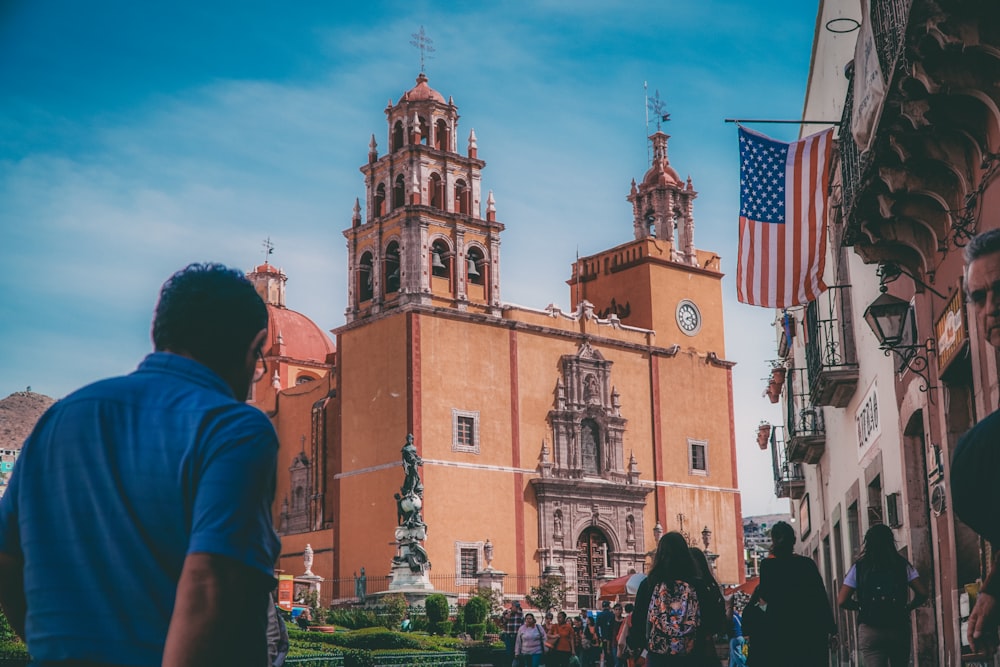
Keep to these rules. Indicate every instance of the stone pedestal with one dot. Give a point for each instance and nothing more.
(491, 579)
(308, 583)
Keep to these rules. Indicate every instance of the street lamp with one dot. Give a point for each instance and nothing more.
(891, 319)
(706, 536)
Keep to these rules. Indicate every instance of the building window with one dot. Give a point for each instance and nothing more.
(468, 555)
(697, 457)
(465, 431)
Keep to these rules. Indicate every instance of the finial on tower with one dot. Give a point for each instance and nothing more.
(473, 145)
(657, 106)
(491, 207)
(425, 44)
(268, 248)
(372, 150)
(356, 218)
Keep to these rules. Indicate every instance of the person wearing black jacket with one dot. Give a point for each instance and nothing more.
(798, 619)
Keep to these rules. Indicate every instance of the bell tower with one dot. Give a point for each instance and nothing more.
(663, 206)
(422, 238)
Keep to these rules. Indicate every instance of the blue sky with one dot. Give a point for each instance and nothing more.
(136, 137)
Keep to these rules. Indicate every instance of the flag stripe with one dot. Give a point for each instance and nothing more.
(782, 222)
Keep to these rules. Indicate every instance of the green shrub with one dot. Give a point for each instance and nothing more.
(353, 618)
(477, 630)
(476, 611)
(419, 623)
(395, 608)
(458, 627)
(491, 627)
(437, 607)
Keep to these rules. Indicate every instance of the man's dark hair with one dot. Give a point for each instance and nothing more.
(782, 539)
(210, 312)
(986, 243)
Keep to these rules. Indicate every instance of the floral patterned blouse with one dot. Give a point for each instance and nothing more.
(674, 616)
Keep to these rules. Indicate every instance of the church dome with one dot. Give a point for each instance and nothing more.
(300, 337)
(661, 173)
(422, 91)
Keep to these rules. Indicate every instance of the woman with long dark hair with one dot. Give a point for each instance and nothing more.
(667, 603)
(798, 616)
(882, 580)
(713, 610)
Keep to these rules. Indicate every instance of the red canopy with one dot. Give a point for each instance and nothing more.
(747, 586)
(626, 585)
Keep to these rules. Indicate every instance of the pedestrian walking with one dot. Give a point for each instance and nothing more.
(591, 644)
(513, 620)
(878, 585)
(668, 607)
(713, 610)
(136, 528)
(530, 643)
(976, 461)
(562, 642)
(799, 622)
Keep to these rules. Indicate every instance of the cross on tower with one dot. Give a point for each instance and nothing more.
(424, 43)
(268, 248)
(657, 106)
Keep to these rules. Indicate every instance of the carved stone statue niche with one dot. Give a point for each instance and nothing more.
(587, 425)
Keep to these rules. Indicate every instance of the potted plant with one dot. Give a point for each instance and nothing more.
(763, 434)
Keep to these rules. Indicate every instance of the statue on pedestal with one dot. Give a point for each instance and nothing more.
(488, 554)
(409, 501)
(307, 560)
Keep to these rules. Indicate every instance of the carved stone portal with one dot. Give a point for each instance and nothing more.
(589, 504)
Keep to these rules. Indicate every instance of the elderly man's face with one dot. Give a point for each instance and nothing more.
(982, 285)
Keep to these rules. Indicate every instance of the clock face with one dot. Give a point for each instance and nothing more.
(688, 317)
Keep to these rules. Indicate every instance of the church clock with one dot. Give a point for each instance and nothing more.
(688, 317)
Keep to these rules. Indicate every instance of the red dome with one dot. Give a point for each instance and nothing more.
(422, 91)
(302, 339)
(661, 173)
(268, 268)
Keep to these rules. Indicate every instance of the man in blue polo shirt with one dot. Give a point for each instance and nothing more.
(136, 529)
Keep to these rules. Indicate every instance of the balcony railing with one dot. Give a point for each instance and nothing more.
(803, 420)
(789, 480)
(831, 358)
(889, 20)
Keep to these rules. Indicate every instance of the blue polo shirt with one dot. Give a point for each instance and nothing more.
(117, 483)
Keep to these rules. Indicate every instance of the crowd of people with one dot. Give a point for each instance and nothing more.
(591, 638)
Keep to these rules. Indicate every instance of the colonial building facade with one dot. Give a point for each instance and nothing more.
(872, 420)
(568, 440)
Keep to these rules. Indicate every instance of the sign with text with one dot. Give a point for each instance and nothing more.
(949, 330)
(866, 419)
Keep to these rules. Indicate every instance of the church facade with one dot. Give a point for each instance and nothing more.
(568, 440)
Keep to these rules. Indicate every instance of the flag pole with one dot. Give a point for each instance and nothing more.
(790, 122)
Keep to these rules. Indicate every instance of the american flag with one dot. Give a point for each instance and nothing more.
(783, 198)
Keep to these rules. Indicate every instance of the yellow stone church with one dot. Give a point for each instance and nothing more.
(568, 439)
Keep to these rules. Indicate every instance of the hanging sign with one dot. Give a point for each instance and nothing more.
(866, 419)
(949, 330)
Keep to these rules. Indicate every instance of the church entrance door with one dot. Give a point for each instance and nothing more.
(591, 566)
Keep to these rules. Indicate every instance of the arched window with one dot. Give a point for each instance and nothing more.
(435, 191)
(475, 267)
(442, 135)
(590, 446)
(651, 223)
(425, 132)
(397, 135)
(399, 193)
(392, 268)
(380, 200)
(302, 379)
(366, 277)
(440, 259)
(462, 197)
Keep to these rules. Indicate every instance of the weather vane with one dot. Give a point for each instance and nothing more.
(656, 105)
(268, 248)
(425, 44)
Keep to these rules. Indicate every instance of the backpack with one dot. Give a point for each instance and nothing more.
(882, 595)
(673, 619)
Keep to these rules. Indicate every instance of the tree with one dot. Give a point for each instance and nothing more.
(494, 599)
(549, 594)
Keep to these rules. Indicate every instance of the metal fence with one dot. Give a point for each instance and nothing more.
(349, 590)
